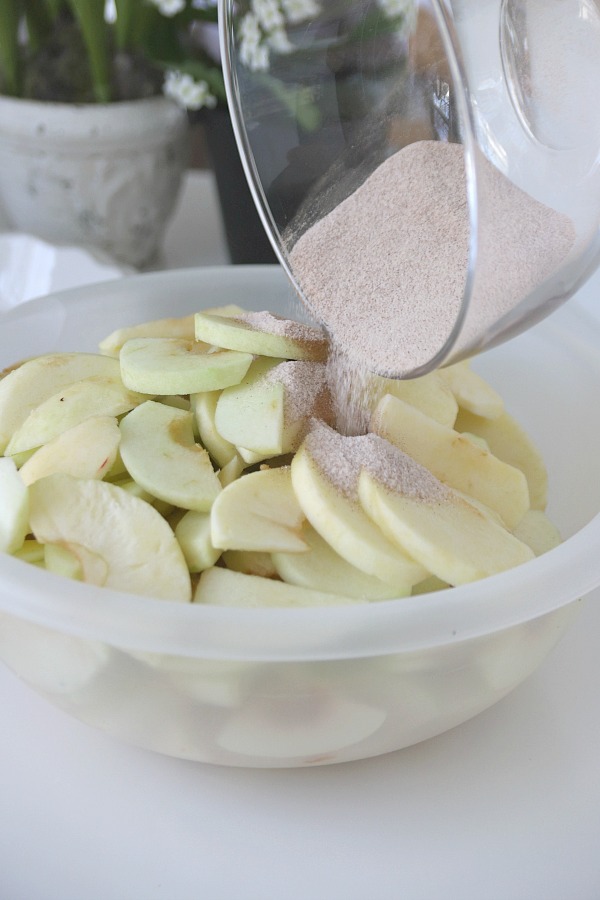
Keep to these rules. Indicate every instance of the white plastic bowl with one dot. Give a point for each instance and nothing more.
(307, 686)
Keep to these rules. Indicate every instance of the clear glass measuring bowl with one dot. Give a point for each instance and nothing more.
(427, 172)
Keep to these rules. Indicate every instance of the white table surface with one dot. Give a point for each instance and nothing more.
(506, 807)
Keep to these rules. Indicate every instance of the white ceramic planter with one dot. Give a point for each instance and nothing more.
(101, 175)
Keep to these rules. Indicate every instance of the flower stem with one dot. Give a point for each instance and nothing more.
(90, 14)
(10, 11)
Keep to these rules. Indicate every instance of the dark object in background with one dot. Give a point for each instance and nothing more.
(246, 238)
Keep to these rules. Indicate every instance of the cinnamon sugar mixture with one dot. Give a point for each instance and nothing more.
(271, 324)
(341, 458)
(385, 271)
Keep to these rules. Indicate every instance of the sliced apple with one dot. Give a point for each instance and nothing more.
(193, 533)
(315, 724)
(262, 334)
(31, 551)
(135, 543)
(58, 558)
(537, 531)
(250, 414)
(223, 587)
(14, 507)
(322, 569)
(232, 470)
(429, 394)
(204, 407)
(171, 366)
(453, 458)
(341, 521)
(158, 448)
(472, 392)
(451, 538)
(509, 442)
(182, 327)
(73, 404)
(38, 379)
(259, 511)
(250, 562)
(88, 450)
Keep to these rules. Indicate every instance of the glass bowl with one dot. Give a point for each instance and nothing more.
(302, 687)
(429, 167)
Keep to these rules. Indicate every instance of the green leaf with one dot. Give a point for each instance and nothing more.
(90, 15)
(10, 69)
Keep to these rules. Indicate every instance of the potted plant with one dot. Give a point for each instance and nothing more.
(94, 100)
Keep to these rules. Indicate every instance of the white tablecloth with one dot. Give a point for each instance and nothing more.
(506, 807)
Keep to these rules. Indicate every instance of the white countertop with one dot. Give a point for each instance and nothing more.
(505, 807)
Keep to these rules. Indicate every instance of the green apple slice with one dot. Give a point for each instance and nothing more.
(38, 379)
(250, 562)
(134, 542)
(262, 334)
(260, 512)
(193, 533)
(537, 531)
(96, 396)
(322, 569)
(250, 415)
(158, 449)
(182, 327)
(452, 538)
(58, 558)
(204, 407)
(453, 458)
(428, 393)
(509, 442)
(88, 450)
(172, 366)
(341, 521)
(223, 587)
(472, 392)
(14, 508)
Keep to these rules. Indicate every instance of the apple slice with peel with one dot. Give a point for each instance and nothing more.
(262, 334)
(158, 449)
(453, 458)
(133, 541)
(38, 379)
(182, 327)
(260, 512)
(471, 391)
(172, 366)
(509, 442)
(14, 507)
(450, 537)
(223, 587)
(250, 414)
(88, 450)
(322, 569)
(193, 533)
(73, 404)
(58, 558)
(204, 407)
(537, 531)
(341, 521)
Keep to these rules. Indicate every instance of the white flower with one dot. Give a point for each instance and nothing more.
(269, 14)
(255, 56)
(393, 8)
(249, 31)
(254, 53)
(186, 92)
(279, 41)
(299, 10)
(169, 7)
